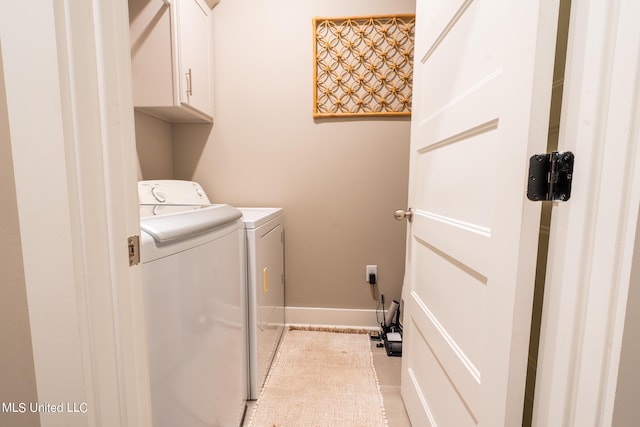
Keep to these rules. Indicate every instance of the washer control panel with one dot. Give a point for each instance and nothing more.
(171, 192)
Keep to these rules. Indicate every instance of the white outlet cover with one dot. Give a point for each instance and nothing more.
(370, 269)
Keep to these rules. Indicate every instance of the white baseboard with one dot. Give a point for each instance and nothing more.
(332, 317)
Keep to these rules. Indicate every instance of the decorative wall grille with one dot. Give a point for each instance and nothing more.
(363, 66)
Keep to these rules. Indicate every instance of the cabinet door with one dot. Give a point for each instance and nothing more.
(195, 46)
(152, 59)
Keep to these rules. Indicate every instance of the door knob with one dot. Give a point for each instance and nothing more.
(400, 214)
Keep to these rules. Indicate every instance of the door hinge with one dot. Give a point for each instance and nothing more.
(134, 250)
(550, 176)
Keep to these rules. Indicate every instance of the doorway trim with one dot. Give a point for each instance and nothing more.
(70, 116)
(592, 235)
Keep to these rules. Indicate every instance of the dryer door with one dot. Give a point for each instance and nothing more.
(270, 296)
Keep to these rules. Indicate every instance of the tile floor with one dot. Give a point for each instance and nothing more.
(388, 371)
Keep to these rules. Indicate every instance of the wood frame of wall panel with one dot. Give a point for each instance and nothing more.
(401, 42)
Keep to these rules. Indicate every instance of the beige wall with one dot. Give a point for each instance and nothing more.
(17, 373)
(338, 180)
(154, 146)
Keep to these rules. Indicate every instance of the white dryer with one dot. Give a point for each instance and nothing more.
(264, 230)
(193, 268)
(265, 279)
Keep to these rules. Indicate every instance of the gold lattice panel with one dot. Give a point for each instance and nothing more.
(363, 66)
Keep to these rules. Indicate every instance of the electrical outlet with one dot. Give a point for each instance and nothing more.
(371, 269)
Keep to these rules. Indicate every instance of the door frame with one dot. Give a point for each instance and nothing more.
(592, 235)
(70, 116)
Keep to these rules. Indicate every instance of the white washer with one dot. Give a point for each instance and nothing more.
(193, 268)
(265, 271)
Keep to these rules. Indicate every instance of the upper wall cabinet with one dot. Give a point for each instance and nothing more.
(170, 57)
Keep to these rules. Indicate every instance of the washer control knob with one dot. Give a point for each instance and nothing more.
(159, 195)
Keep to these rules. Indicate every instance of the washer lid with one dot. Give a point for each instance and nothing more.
(178, 226)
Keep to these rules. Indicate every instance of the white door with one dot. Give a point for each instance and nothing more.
(482, 88)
